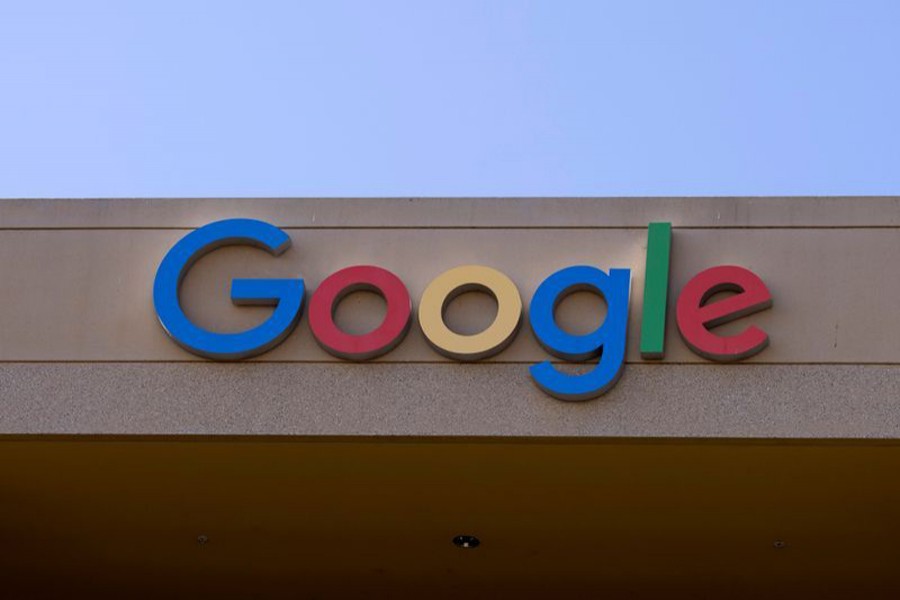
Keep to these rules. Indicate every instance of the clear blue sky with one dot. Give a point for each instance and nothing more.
(384, 98)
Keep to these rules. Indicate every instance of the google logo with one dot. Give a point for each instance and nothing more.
(697, 312)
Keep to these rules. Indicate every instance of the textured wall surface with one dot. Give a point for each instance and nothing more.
(81, 350)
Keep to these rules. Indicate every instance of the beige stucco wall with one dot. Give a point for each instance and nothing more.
(81, 350)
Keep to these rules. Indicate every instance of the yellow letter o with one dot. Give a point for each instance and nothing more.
(460, 280)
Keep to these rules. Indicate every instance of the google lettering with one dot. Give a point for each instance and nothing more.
(696, 311)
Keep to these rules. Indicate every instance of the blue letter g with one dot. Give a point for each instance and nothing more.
(608, 340)
(285, 294)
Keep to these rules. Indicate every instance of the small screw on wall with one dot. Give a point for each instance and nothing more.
(466, 541)
(779, 544)
(202, 539)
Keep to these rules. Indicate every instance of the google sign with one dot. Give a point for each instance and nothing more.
(696, 310)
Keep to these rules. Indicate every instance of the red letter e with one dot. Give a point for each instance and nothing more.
(695, 317)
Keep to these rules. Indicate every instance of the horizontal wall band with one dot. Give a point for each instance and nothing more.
(597, 228)
(445, 400)
(454, 212)
(454, 440)
(554, 361)
(86, 295)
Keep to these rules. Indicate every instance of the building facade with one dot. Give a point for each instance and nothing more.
(612, 434)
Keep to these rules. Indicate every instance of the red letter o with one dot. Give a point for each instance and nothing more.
(369, 345)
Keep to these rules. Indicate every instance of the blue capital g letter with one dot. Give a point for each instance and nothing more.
(285, 294)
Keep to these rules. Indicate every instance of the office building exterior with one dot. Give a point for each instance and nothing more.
(522, 397)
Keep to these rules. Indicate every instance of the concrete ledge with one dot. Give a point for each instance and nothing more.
(454, 212)
(742, 401)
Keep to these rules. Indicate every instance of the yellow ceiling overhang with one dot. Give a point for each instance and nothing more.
(336, 517)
